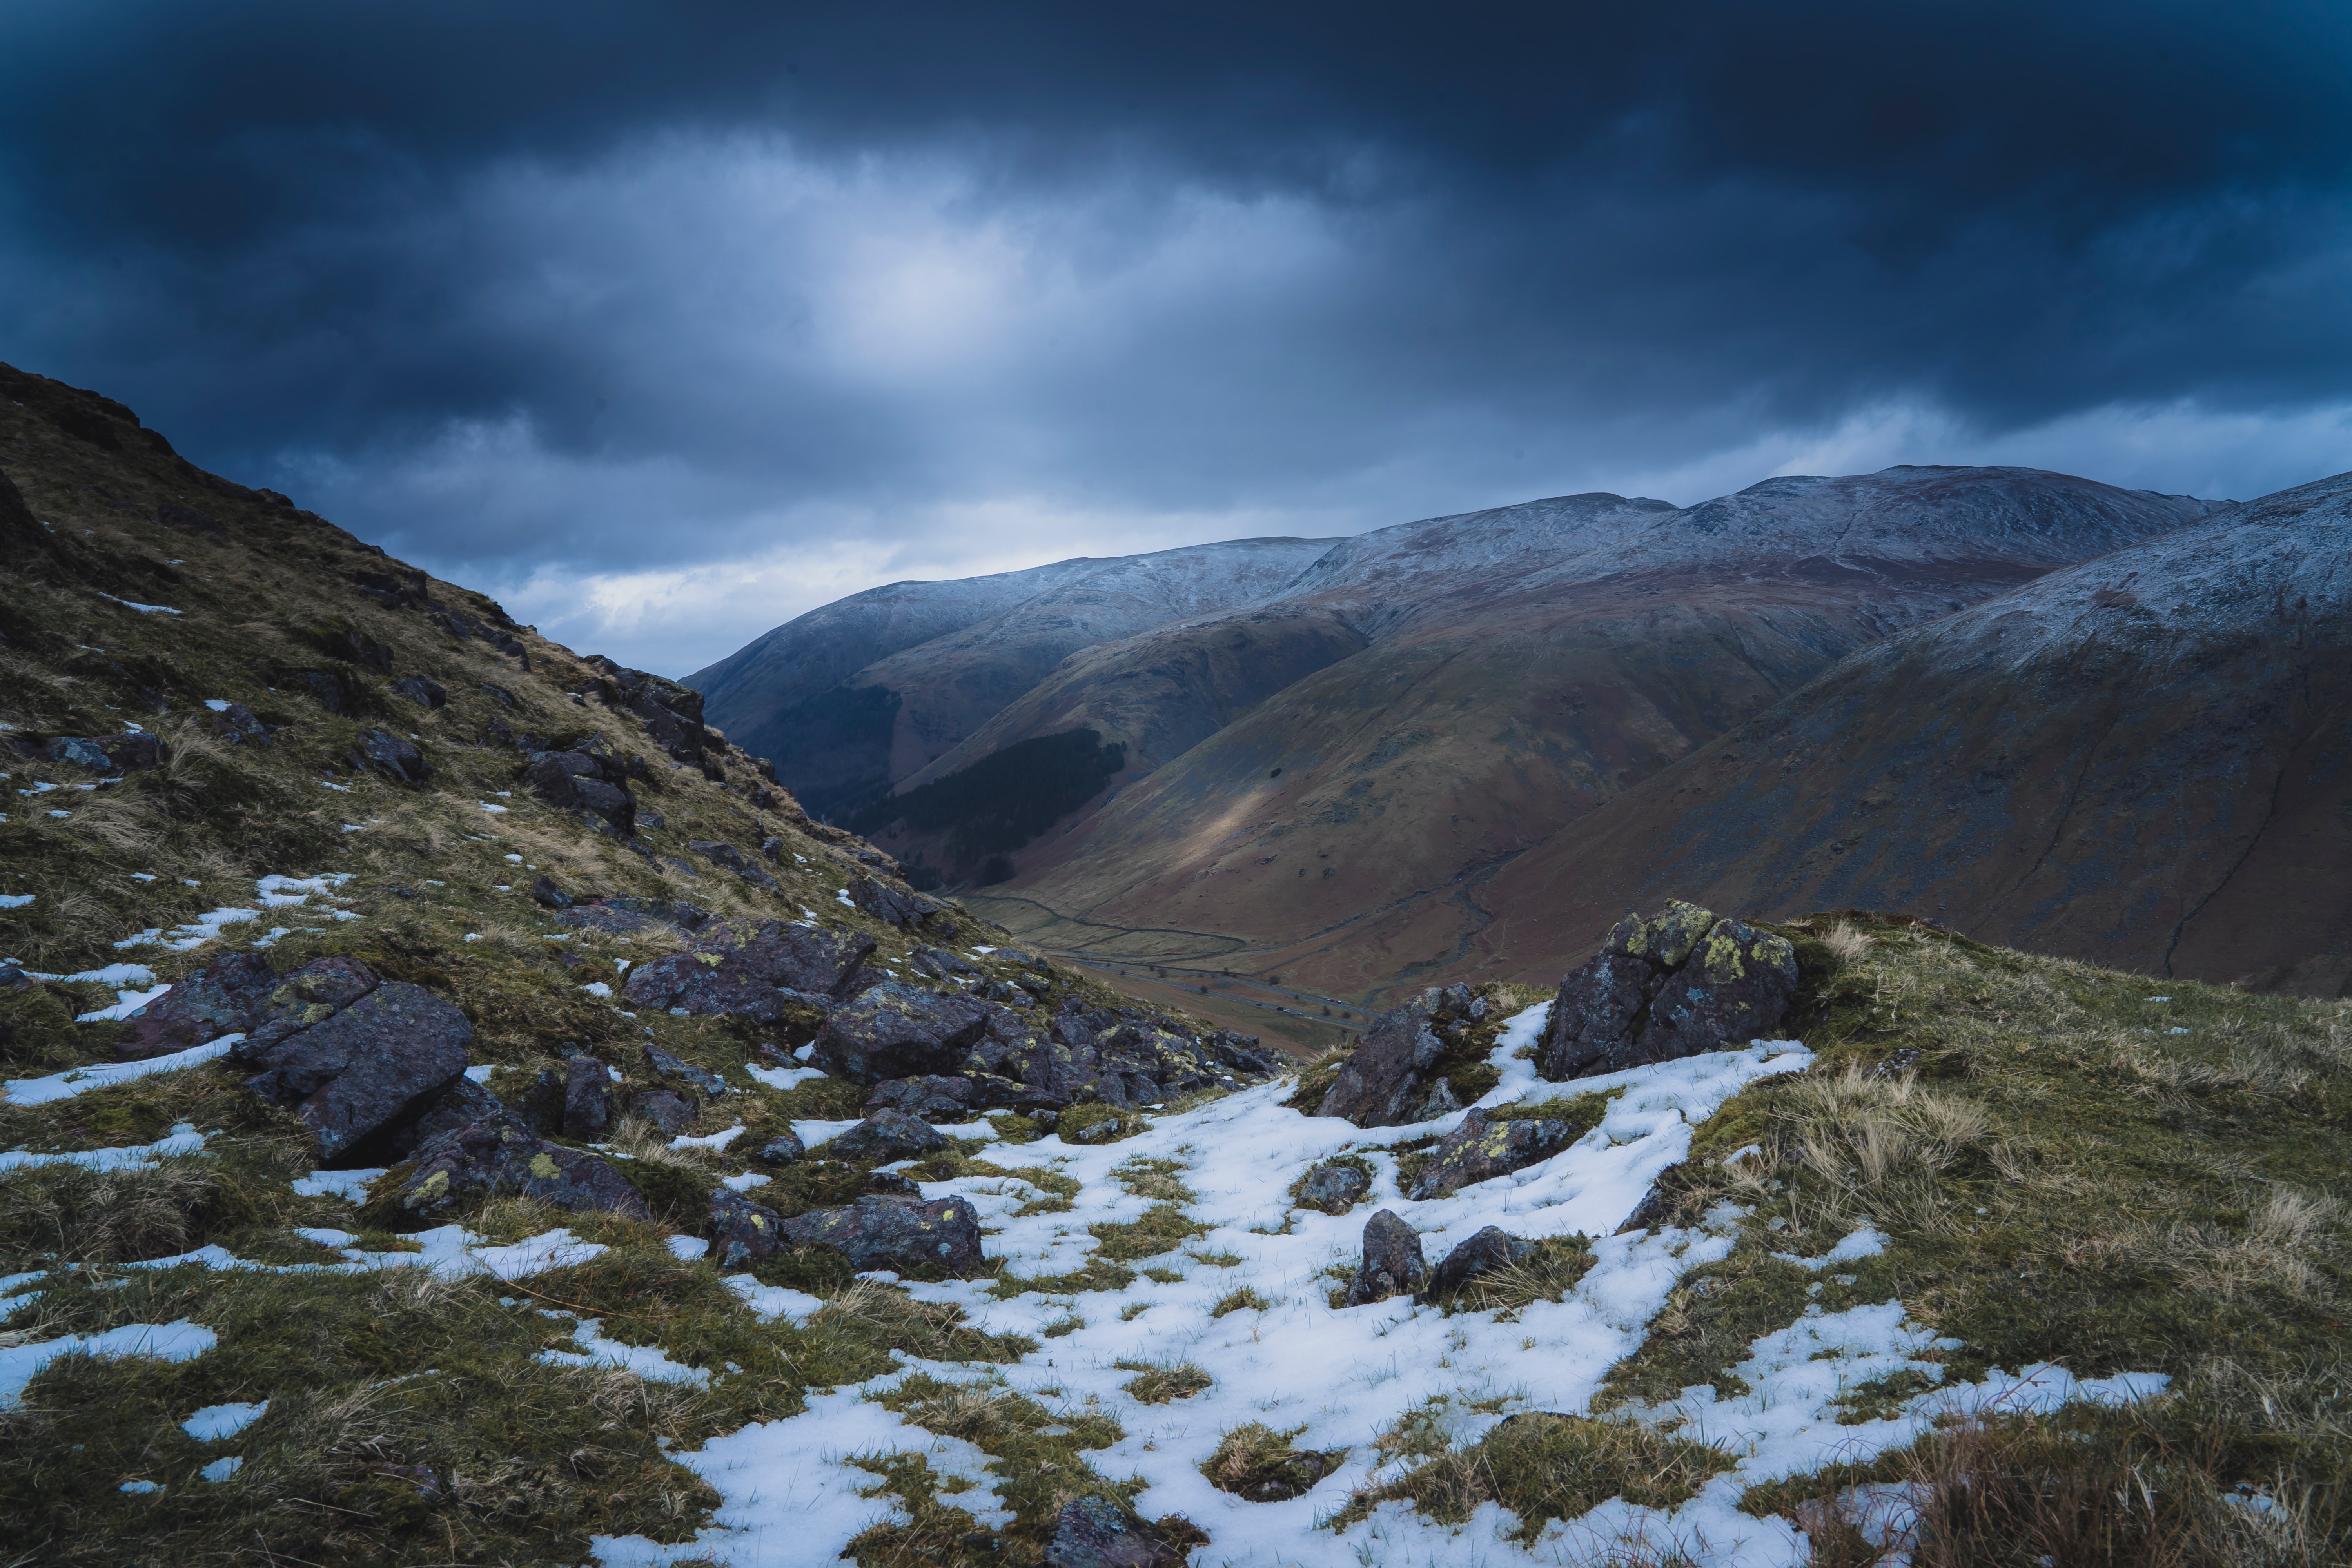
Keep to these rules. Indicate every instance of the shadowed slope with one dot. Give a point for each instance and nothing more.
(2145, 761)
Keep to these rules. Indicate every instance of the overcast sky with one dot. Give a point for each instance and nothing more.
(666, 323)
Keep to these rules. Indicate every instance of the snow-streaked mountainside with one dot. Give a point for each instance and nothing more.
(2144, 760)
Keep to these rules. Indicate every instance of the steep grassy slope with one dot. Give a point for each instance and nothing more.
(2145, 761)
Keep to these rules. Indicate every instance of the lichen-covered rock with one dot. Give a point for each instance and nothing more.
(940, 963)
(1480, 1149)
(395, 758)
(459, 1171)
(896, 1233)
(1093, 1533)
(1492, 1248)
(462, 1104)
(587, 1099)
(1392, 1076)
(899, 907)
(364, 1066)
(898, 1030)
(886, 1135)
(742, 1231)
(311, 996)
(753, 969)
(1392, 1264)
(1674, 986)
(1334, 1188)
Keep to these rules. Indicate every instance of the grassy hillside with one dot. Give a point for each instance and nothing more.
(2044, 1260)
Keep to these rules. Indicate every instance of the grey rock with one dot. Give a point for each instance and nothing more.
(1334, 1189)
(1094, 1533)
(419, 690)
(1480, 1149)
(670, 1111)
(458, 1170)
(890, 1232)
(785, 1149)
(738, 968)
(930, 1098)
(719, 853)
(587, 1099)
(742, 1231)
(1675, 985)
(240, 726)
(1492, 1248)
(885, 1136)
(462, 1104)
(898, 1030)
(360, 1068)
(224, 997)
(1392, 1264)
(374, 751)
(545, 893)
(680, 1070)
(899, 907)
(1389, 1079)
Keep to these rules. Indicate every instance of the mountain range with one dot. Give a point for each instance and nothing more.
(1392, 766)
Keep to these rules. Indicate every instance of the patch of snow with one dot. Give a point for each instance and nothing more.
(218, 704)
(343, 789)
(481, 1073)
(184, 1139)
(648, 1362)
(147, 609)
(221, 1469)
(782, 1078)
(81, 1081)
(745, 1181)
(493, 810)
(709, 1140)
(598, 988)
(350, 1186)
(138, 1489)
(126, 1004)
(181, 1340)
(686, 1248)
(218, 1423)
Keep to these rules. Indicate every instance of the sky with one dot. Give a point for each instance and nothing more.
(666, 323)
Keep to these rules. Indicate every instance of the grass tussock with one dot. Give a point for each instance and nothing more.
(1541, 1467)
(1159, 1384)
(1258, 1464)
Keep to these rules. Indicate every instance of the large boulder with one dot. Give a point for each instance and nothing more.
(1392, 1264)
(458, 1170)
(362, 1067)
(1392, 1077)
(898, 1030)
(1492, 1248)
(885, 1136)
(222, 998)
(1675, 985)
(1480, 1149)
(898, 1233)
(753, 969)
(311, 994)
(462, 1104)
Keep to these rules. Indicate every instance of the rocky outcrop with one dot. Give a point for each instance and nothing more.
(906, 1235)
(224, 997)
(1392, 1077)
(929, 1098)
(753, 969)
(240, 726)
(1480, 1149)
(1682, 981)
(625, 916)
(742, 1231)
(364, 1065)
(897, 1030)
(424, 692)
(886, 1136)
(1333, 1188)
(459, 1171)
(1492, 1248)
(1392, 1264)
(677, 1069)
(590, 778)
(899, 907)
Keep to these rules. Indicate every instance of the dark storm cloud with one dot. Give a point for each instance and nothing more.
(503, 284)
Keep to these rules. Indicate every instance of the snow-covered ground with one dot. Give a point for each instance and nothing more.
(1346, 1375)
